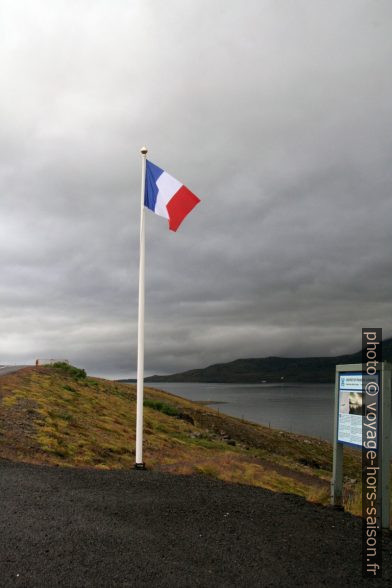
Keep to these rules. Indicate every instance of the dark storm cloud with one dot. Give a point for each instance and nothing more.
(277, 114)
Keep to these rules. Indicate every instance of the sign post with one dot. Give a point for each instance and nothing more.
(350, 386)
(385, 444)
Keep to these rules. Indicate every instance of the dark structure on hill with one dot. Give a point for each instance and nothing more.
(271, 369)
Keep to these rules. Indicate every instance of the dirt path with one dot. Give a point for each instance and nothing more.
(68, 527)
(9, 369)
(304, 478)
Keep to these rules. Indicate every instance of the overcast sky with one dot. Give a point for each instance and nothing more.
(277, 114)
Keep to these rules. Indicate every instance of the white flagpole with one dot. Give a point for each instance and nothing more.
(139, 464)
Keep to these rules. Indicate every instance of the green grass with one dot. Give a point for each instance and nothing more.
(161, 406)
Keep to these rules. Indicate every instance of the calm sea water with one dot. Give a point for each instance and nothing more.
(297, 408)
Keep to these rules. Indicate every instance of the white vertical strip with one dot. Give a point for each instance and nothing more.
(140, 330)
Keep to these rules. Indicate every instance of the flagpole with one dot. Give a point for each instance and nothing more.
(139, 463)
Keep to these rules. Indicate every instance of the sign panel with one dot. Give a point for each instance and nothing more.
(351, 388)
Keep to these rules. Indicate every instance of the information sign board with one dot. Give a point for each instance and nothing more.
(351, 387)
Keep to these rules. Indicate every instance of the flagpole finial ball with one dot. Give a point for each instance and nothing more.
(144, 150)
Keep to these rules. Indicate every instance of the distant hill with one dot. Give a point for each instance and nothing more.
(271, 369)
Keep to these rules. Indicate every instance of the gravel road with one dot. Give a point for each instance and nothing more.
(70, 527)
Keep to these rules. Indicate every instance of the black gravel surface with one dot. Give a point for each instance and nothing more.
(70, 527)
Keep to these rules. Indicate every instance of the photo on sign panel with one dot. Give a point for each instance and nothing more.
(355, 403)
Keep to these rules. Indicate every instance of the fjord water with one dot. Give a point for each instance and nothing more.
(298, 408)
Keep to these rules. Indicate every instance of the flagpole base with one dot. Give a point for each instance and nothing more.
(139, 466)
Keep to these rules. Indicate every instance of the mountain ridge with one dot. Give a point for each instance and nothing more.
(271, 369)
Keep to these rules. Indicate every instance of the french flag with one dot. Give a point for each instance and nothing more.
(166, 196)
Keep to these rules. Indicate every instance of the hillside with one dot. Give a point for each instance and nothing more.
(271, 369)
(57, 416)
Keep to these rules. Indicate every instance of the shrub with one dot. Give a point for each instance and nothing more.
(162, 407)
(74, 372)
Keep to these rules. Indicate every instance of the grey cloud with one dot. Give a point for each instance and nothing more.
(277, 116)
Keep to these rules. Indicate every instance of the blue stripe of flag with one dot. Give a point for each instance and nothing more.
(151, 190)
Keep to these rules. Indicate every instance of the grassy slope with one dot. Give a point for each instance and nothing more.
(49, 416)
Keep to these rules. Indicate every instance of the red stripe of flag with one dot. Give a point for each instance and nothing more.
(179, 206)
